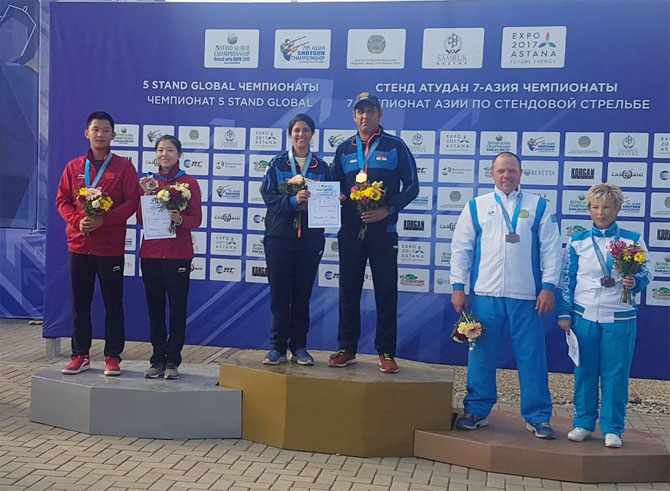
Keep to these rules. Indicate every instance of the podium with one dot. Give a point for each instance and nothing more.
(355, 410)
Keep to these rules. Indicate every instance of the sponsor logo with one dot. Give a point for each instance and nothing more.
(538, 172)
(259, 271)
(574, 229)
(411, 280)
(196, 164)
(331, 275)
(414, 225)
(376, 44)
(229, 138)
(493, 144)
(584, 141)
(231, 49)
(533, 47)
(376, 49)
(540, 145)
(628, 145)
(662, 145)
(261, 166)
(417, 139)
(582, 173)
(304, 49)
(335, 140)
(661, 293)
(663, 234)
(627, 174)
(154, 135)
(453, 43)
(453, 48)
(455, 196)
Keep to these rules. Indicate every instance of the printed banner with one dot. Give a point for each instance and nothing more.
(458, 82)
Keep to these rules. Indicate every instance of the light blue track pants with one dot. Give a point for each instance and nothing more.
(605, 353)
(527, 336)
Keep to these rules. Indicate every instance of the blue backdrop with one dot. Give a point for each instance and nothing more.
(580, 91)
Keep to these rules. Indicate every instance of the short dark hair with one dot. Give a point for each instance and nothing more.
(301, 117)
(100, 115)
(507, 154)
(169, 138)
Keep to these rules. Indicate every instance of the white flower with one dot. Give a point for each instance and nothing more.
(95, 204)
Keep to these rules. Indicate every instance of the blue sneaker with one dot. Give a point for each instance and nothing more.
(302, 357)
(274, 357)
(542, 430)
(470, 422)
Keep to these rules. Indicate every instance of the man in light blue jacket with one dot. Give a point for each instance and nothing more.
(508, 245)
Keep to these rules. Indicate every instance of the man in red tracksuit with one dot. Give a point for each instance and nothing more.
(96, 244)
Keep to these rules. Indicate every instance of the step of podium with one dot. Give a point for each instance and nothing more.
(356, 410)
(192, 406)
(506, 447)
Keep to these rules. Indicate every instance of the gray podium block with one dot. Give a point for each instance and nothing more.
(130, 405)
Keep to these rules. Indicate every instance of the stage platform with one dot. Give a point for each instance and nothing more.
(507, 448)
(356, 410)
(130, 405)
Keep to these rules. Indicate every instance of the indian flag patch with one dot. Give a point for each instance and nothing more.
(382, 158)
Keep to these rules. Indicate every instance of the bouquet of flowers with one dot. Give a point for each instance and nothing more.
(628, 260)
(174, 197)
(293, 185)
(291, 188)
(94, 201)
(367, 197)
(468, 328)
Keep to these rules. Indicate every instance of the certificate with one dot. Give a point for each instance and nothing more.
(323, 207)
(573, 347)
(156, 219)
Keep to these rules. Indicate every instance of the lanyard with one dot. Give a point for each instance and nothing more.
(98, 175)
(294, 165)
(363, 163)
(176, 176)
(605, 266)
(511, 224)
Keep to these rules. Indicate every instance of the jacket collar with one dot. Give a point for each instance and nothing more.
(610, 232)
(511, 196)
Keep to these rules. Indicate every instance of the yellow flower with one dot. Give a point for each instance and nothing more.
(355, 195)
(627, 257)
(82, 191)
(163, 194)
(463, 327)
(639, 258)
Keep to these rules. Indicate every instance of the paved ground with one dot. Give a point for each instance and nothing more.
(35, 456)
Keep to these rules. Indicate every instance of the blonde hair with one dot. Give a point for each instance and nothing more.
(604, 192)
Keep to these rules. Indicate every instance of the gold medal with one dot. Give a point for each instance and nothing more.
(361, 177)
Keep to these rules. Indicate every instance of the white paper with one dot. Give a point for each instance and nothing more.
(323, 207)
(156, 220)
(573, 346)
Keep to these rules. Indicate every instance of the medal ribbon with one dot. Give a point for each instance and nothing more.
(176, 176)
(363, 162)
(98, 175)
(294, 165)
(511, 224)
(605, 266)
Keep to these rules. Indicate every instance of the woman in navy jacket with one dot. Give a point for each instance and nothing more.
(292, 249)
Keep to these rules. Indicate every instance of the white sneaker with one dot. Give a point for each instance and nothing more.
(579, 434)
(613, 441)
